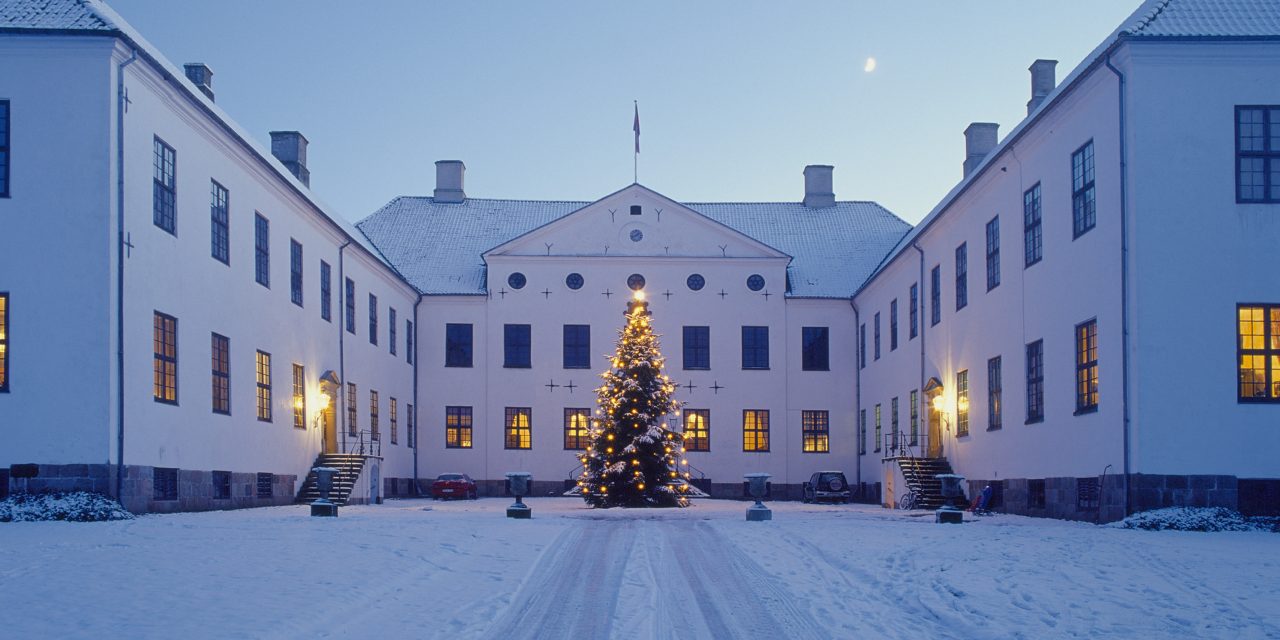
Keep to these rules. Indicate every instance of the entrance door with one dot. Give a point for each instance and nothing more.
(934, 448)
(330, 431)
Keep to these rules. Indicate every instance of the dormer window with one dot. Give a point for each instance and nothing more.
(635, 210)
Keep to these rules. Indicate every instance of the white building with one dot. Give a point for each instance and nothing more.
(1089, 321)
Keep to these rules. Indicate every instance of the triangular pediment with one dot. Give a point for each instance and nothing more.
(640, 222)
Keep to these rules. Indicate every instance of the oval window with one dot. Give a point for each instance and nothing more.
(755, 282)
(516, 280)
(696, 282)
(574, 281)
(636, 282)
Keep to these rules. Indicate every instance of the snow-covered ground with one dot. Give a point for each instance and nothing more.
(462, 570)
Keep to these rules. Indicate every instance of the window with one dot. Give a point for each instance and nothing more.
(862, 346)
(411, 429)
(755, 347)
(893, 424)
(374, 434)
(914, 409)
(457, 427)
(815, 349)
(1258, 154)
(393, 409)
(221, 366)
(815, 430)
(862, 432)
(914, 316)
(164, 186)
(164, 483)
(993, 253)
(1258, 332)
(165, 340)
(878, 438)
(935, 296)
(299, 397)
(994, 398)
(295, 271)
(352, 409)
(1035, 494)
(391, 329)
(4, 342)
(519, 434)
(457, 345)
(264, 485)
(697, 347)
(263, 368)
(755, 430)
(962, 275)
(4, 148)
(1083, 205)
(515, 338)
(326, 293)
(350, 303)
(373, 319)
(1031, 225)
(576, 428)
(697, 429)
(408, 341)
(893, 324)
(1035, 381)
(219, 224)
(876, 323)
(221, 485)
(962, 403)
(262, 250)
(577, 346)
(1087, 367)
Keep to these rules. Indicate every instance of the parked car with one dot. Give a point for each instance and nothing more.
(826, 485)
(453, 485)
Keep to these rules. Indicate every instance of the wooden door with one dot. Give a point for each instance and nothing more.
(330, 430)
(934, 448)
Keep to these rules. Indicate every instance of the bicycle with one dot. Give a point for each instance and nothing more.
(909, 501)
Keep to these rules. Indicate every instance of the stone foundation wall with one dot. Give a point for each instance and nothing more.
(195, 489)
(1061, 497)
(403, 488)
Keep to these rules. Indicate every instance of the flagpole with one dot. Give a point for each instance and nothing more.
(635, 158)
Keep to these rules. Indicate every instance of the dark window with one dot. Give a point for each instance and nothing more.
(862, 346)
(164, 483)
(893, 424)
(993, 253)
(1086, 494)
(635, 281)
(1035, 494)
(373, 415)
(914, 409)
(574, 281)
(326, 292)
(962, 403)
(755, 282)
(576, 428)
(221, 485)
(394, 409)
(755, 347)
(411, 430)
(815, 349)
(165, 341)
(515, 339)
(457, 427)
(695, 282)
(815, 430)
(995, 399)
(263, 375)
(1258, 352)
(262, 250)
(219, 223)
(876, 326)
(1083, 204)
(1258, 154)
(264, 485)
(350, 302)
(373, 319)
(697, 429)
(516, 280)
(962, 275)
(391, 329)
(577, 346)
(755, 430)
(914, 316)
(4, 148)
(1035, 381)
(519, 432)
(635, 209)
(893, 324)
(1087, 367)
(862, 432)
(164, 187)
(221, 368)
(697, 347)
(457, 345)
(408, 341)
(295, 271)
(352, 409)
(878, 432)
(1032, 237)
(299, 396)
(935, 296)
(4, 341)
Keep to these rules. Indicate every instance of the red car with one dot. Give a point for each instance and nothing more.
(454, 485)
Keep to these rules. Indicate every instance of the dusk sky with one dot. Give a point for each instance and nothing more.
(536, 97)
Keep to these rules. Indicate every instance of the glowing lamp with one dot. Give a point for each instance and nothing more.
(937, 403)
(325, 399)
(639, 296)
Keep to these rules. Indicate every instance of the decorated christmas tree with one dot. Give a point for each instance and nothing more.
(632, 460)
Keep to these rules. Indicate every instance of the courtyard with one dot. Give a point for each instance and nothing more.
(424, 569)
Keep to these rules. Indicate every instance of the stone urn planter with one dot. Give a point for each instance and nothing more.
(757, 484)
(520, 483)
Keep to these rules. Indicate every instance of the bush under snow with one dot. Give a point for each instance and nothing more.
(78, 506)
(1189, 519)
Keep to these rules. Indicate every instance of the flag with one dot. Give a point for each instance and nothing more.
(636, 127)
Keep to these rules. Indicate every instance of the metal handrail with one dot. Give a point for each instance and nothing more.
(366, 443)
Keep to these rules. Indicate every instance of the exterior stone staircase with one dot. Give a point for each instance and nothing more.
(919, 474)
(348, 466)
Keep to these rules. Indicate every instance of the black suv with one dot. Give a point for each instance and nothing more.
(826, 485)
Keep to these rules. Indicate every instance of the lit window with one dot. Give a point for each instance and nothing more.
(755, 430)
(1035, 381)
(457, 427)
(576, 428)
(519, 433)
(815, 429)
(165, 339)
(299, 397)
(755, 347)
(263, 367)
(516, 346)
(995, 398)
(1087, 367)
(1031, 230)
(1083, 199)
(697, 429)
(457, 345)
(4, 342)
(1258, 350)
(1258, 154)
(962, 403)
(164, 187)
(261, 250)
(374, 433)
(577, 346)
(221, 369)
(697, 348)
(352, 409)
(219, 224)
(295, 271)
(815, 349)
(993, 253)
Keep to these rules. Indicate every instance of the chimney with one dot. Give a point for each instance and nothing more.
(979, 139)
(817, 186)
(202, 76)
(290, 148)
(1042, 82)
(449, 175)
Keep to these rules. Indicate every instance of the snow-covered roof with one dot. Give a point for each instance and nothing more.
(56, 15)
(438, 246)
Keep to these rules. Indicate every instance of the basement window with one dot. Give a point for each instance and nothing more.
(164, 483)
(221, 485)
(264, 485)
(1035, 494)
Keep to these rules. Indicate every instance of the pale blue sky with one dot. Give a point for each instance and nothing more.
(536, 97)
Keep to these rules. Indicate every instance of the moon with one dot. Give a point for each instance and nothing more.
(870, 65)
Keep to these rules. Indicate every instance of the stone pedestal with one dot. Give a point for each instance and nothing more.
(759, 513)
(324, 508)
(757, 484)
(947, 515)
(520, 482)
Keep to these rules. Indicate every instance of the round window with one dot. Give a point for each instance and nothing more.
(516, 280)
(636, 282)
(637, 235)
(696, 282)
(574, 281)
(755, 282)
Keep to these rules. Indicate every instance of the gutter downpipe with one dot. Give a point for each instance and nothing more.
(915, 244)
(120, 107)
(342, 343)
(414, 414)
(1124, 282)
(857, 396)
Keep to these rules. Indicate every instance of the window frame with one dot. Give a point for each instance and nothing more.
(862, 432)
(1035, 381)
(164, 335)
(393, 411)
(577, 436)
(935, 295)
(349, 305)
(326, 292)
(815, 348)
(876, 330)
(295, 272)
(219, 222)
(220, 356)
(695, 347)
(164, 186)
(516, 436)
(299, 396)
(458, 352)
(815, 431)
(993, 253)
(6, 148)
(411, 428)
(392, 323)
(893, 422)
(962, 403)
(373, 319)
(1270, 355)
(913, 316)
(408, 341)
(517, 349)
(458, 427)
(262, 382)
(375, 433)
(1032, 226)
(913, 435)
(862, 345)
(353, 410)
(6, 330)
(755, 432)
(699, 437)
(1270, 155)
(879, 429)
(962, 276)
(261, 250)
(995, 394)
(1086, 378)
(1084, 195)
(893, 325)
(576, 346)
(755, 347)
